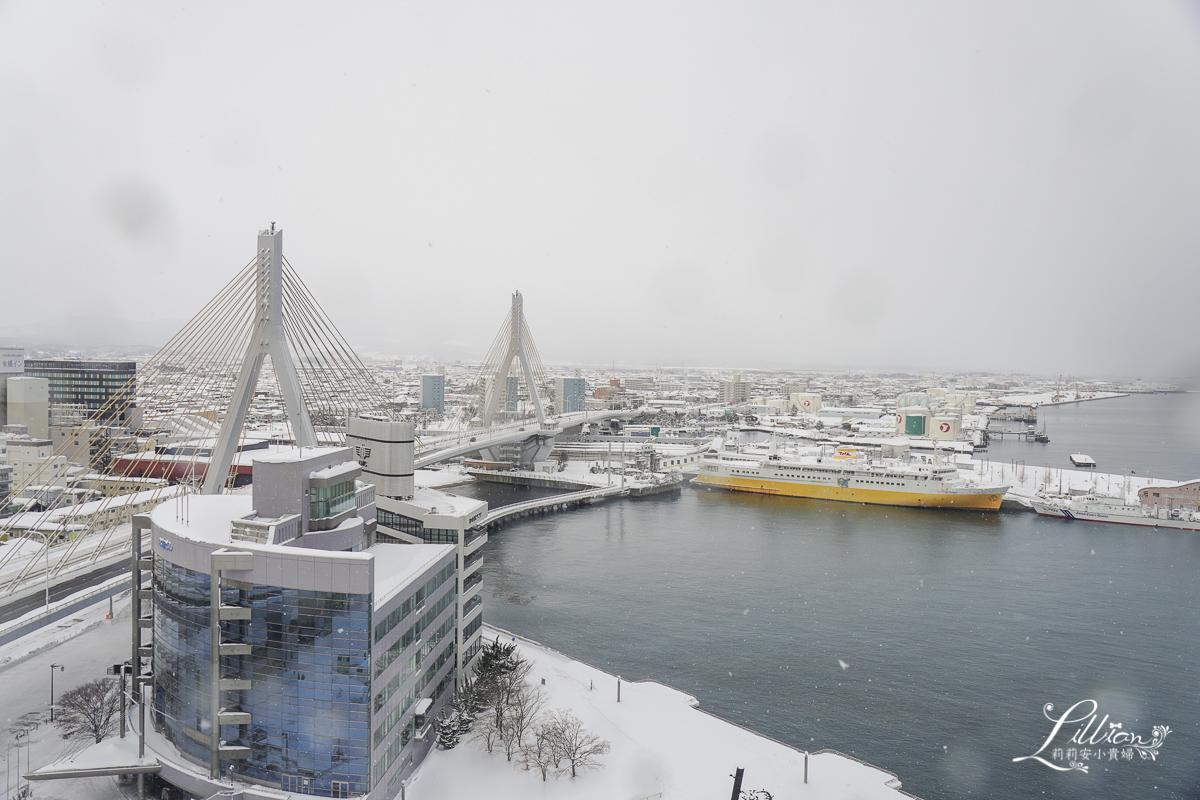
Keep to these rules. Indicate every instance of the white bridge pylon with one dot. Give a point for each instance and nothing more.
(513, 342)
(268, 338)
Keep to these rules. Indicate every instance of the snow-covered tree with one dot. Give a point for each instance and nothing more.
(499, 674)
(449, 729)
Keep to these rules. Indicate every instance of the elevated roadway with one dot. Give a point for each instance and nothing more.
(461, 444)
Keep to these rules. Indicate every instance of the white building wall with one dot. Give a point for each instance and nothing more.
(29, 404)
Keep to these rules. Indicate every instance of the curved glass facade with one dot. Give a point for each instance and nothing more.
(311, 678)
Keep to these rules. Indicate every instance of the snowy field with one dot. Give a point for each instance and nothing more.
(662, 747)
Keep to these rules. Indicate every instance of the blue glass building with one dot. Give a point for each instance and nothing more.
(329, 655)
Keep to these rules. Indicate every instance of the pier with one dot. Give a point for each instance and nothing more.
(579, 493)
(543, 505)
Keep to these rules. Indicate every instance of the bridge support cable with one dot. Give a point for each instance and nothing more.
(511, 359)
(218, 315)
(204, 375)
(334, 352)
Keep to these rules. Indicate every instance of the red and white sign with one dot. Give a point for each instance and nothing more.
(807, 403)
(944, 427)
(899, 419)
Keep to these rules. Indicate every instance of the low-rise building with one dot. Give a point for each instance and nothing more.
(1181, 495)
(29, 404)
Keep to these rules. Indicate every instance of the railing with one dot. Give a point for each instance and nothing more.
(545, 502)
(364, 496)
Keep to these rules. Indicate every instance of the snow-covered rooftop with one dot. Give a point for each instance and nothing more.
(397, 564)
(203, 518)
(290, 454)
(438, 502)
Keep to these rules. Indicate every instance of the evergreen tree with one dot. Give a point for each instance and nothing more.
(466, 702)
(494, 659)
(449, 729)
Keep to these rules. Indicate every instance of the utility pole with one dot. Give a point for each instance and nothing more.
(737, 783)
(53, 667)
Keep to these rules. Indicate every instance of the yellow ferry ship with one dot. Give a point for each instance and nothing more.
(847, 477)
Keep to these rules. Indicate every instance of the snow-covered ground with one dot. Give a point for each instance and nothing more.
(439, 478)
(1026, 481)
(1048, 398)
(662, 747)
(87, 644)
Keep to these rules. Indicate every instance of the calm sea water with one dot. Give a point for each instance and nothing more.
(955, 628)
(1147, 434)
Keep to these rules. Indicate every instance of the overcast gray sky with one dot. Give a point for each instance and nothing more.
(899, 185)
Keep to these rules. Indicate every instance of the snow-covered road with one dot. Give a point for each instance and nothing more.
(25, 698)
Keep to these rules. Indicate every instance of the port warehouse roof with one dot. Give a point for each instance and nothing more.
(183, 465)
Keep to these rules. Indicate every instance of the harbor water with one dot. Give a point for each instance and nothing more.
(925, 643)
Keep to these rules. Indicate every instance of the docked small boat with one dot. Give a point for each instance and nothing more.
(1105, 508)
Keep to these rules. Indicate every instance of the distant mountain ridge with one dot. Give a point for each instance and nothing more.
(89, 333)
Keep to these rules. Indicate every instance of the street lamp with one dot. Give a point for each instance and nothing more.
(53, 667)
(46, 547)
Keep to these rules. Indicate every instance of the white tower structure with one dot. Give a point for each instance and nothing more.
(514, 342)
(269, 338)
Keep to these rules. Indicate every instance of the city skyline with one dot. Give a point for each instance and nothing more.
(1004, 188)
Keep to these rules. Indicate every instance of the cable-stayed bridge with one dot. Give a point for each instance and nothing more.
(199, 392)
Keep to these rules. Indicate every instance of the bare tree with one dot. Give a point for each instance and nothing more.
(92, 709)
(578, 748)
(502, 689)
(541, 752)
(520, 715)
(486, 731)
